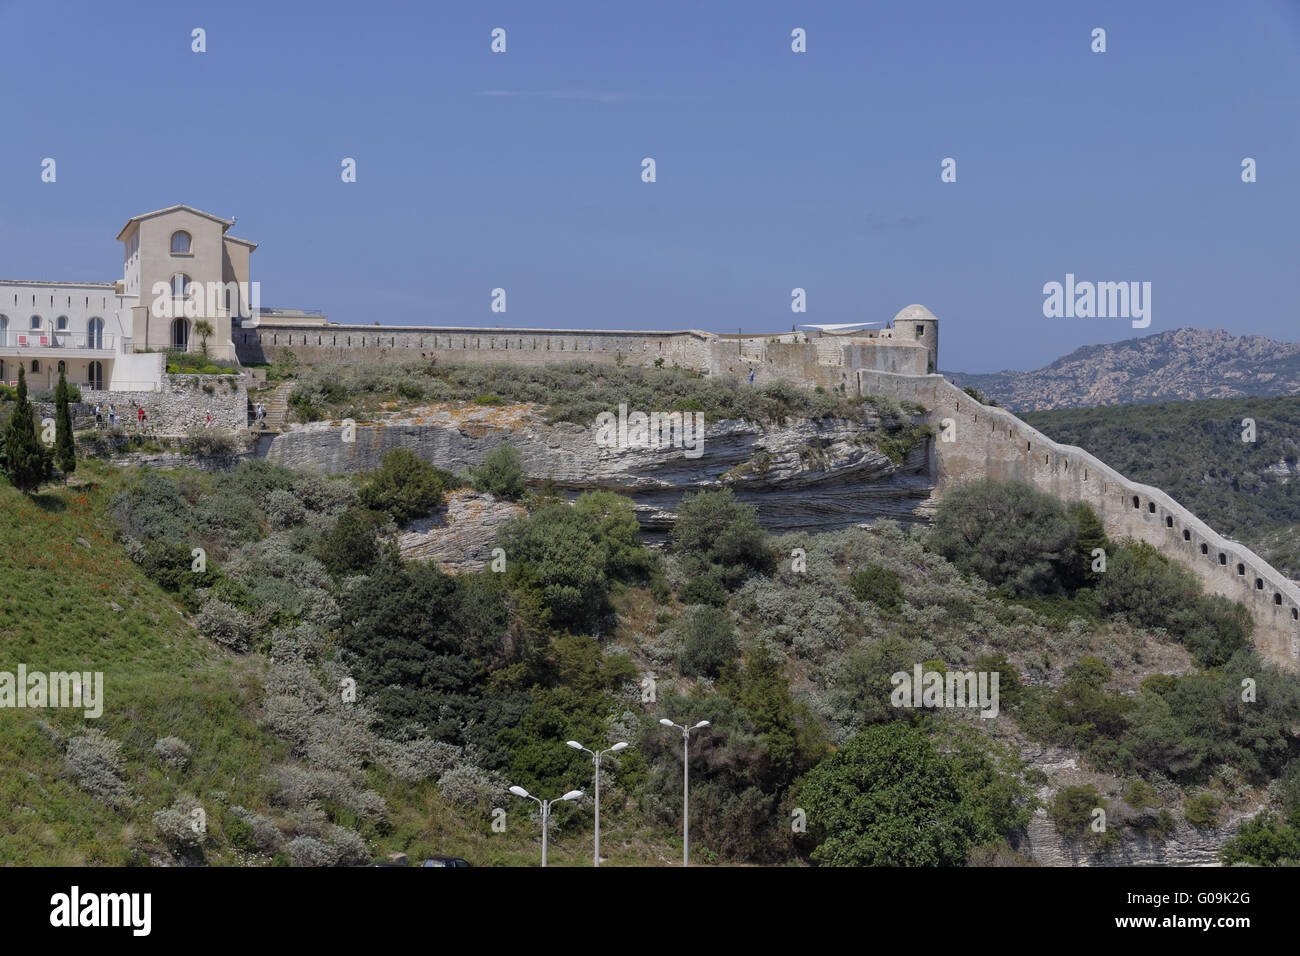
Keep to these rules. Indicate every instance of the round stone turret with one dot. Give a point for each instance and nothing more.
(918, 321)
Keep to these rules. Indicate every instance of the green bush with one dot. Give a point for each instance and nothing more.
(1140, 795)
(709, 642)
(1071, 811)
(501, 474)
(352, 545)
(405, 487)
(1008, 533)
(717, 536)
(878, 585)
(1202, 811)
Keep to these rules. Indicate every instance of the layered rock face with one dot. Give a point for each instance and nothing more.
(809, 475)
(459, 537)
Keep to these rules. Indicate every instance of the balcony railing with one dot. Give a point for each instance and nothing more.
(46, 339)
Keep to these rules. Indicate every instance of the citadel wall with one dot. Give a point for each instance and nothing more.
(974, 440)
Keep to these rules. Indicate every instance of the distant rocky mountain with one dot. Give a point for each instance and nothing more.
(1169, 366)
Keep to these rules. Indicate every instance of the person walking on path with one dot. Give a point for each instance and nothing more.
(99, 416)
(208, 424)
(139, 420)
(112, 415)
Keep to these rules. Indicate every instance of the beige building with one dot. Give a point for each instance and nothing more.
(183, 276)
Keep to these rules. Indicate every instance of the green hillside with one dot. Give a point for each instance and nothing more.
(1194, 451)
(229, 688)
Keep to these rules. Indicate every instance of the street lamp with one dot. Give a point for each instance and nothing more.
(546, 809)
(686, 784)
(596, 755)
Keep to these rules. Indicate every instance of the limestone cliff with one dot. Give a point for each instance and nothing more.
(811, 475)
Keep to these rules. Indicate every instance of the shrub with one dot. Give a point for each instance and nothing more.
(172, 751)
(718, 536)
(208, 442)
(501, 474)
(308, 851)
(1008, 533)
(94, 760)
(176, 827)
(226, 625)
(709, 642)
(1202, 811)
(878, 585)
(1072, 810)
(405, 487)
(1140, 795)
(284, 509)
(352, 545)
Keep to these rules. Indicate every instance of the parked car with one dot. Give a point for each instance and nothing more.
(444, 861)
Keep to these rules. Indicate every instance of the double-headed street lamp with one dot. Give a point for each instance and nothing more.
(546, 809)
(596, 755)
(686, 784)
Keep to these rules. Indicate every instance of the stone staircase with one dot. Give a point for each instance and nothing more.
(277, 408)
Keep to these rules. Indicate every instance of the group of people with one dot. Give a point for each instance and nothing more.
(110, 413)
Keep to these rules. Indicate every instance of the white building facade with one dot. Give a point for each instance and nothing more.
(185, 283)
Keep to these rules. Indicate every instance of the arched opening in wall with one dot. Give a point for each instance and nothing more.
(1259, 584)
(1136, 503)
(95, 375)
(1241, 569)
(1295, 614)
(1187, 535)
(1169, 521)
(1277, 599)
(95, 333)
(1151, 506)
(180, 335)
(1029, 446)
(1223, 558)
(1085, 474)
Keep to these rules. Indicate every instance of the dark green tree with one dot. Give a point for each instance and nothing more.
(64, 450)
(719, 539)
(26, 462)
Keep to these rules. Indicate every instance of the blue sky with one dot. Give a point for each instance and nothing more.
(775, 170)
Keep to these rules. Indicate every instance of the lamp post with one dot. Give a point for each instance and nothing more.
(596, 755)
(686, 784)
(546, 809)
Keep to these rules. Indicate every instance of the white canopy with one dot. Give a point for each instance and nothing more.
(841, 328)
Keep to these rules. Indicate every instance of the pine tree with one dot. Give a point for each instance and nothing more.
(64, 451)
(26, 461)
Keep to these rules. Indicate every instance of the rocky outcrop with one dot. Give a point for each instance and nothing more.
(812, 475)
(460, 536)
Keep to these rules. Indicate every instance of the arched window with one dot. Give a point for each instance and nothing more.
(36, 366)
(95, 334)
(63, 368)
(180, 284)
(95, 375)
(180, 243)
(4, 333)
(61, 323)
(36, 321)
(180, 335)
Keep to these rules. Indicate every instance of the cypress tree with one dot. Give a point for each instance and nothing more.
(64, 451)
(25, 463)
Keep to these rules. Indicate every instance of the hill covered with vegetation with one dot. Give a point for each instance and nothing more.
(322, 701)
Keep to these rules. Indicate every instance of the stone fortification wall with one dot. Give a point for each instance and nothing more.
(181, 402)
(975, 440)
(344, 344)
